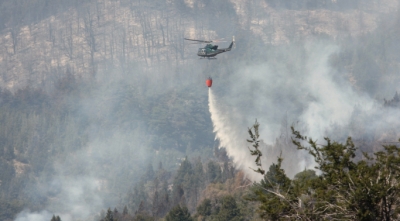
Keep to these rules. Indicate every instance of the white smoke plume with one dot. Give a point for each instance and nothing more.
(44, 215)
(27, 215)
(86, 180)
(295, 87)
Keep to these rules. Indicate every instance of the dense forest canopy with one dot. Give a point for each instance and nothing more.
(104, 114)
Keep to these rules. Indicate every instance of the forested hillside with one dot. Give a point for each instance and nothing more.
(42, 41)
(104, 114)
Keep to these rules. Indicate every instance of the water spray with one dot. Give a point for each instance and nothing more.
(231, 138)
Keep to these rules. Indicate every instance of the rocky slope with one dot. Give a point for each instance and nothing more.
(106, 33)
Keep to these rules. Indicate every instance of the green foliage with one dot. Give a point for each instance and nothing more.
(55, 218)
(214, 172)
(199, 176)
(184, 170)
(109, 216)
(303, 181)
(221, 208)
(354, 190)
(227, 172)
(275, 194)
(179, 213)
(188, 183)
(254, 135)
(367, 189)
(143, 217)
(178, 195)
(204, 209)
(228, 210)
(138, 197)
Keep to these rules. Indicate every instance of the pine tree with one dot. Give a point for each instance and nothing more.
(141, 209)
(137, 197)
(228, 211)
(254, 135)
(116, 215)
(125, 211)
(199, 178)
(55, 218)
(274, 191)
(141, 214)
(149, 175)
(109, 215)
(177, 195)
(178, 213)
(165, 203)
(185, 168)
(213, 172)
(303, 180)
(156, 205)
(205, 208)
(226, 173)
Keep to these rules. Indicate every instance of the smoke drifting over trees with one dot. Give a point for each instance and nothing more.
(93, 92)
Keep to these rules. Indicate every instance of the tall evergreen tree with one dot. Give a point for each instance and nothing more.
(150, 174)
(137, 197)
(228, 210)
(116, 215)
(165, 202)
(55, 218)
(125, 211)
(177, 195)
(199, 179)
(205, 208)
(156, 205)
(185, 168)
(274, 191)
(141, 214)
(226, 172)
(109, 215)
(179, 213)
(213, 172)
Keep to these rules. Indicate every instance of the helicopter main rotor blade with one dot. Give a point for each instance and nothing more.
(203, 41)
(219, 40)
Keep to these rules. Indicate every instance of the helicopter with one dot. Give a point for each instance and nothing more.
(210, 51)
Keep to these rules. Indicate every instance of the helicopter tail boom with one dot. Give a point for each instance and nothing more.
(231, 45)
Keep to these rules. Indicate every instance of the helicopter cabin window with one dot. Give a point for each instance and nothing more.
(201, 51)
